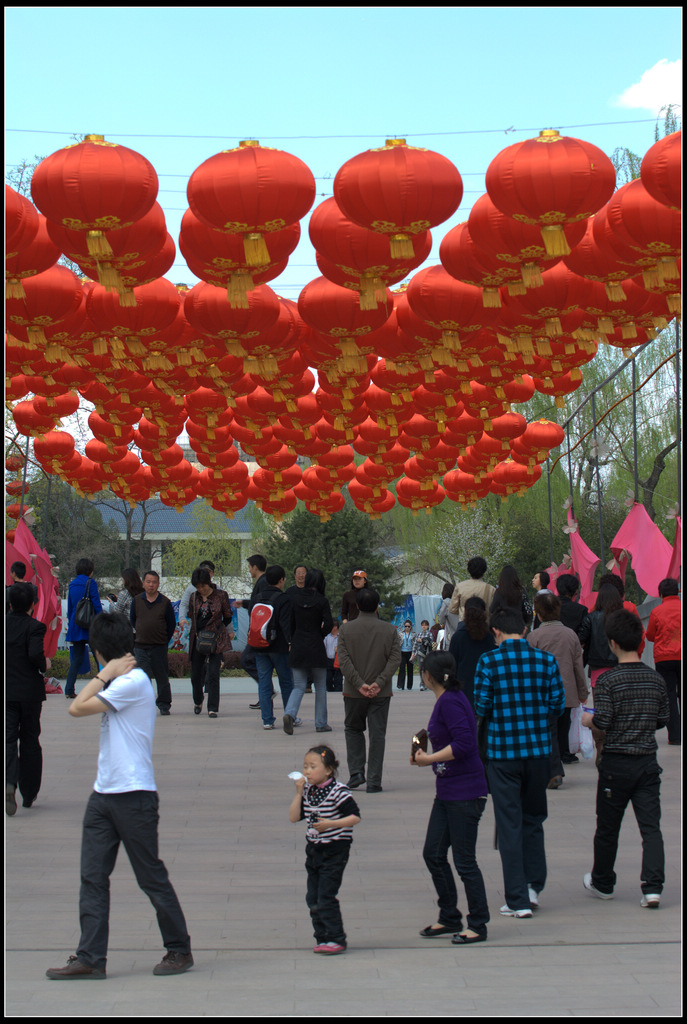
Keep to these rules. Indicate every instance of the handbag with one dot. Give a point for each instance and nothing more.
(206, 642)
(85, 611)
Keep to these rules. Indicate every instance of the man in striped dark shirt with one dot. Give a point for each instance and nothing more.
(630, 704)
(518, 688)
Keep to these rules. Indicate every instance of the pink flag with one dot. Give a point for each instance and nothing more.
(673, 570)
(651, 553)
(584, 561)
(12, 555)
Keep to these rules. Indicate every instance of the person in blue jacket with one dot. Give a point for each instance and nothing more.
(76, 635)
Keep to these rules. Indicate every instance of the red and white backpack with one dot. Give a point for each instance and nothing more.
(262, 631)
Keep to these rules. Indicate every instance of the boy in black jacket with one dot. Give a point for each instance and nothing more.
(630, 704)
(276, 654)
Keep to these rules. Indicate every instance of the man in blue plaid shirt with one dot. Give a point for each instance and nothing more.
(518, 688)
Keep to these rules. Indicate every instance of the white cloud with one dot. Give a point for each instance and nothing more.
(660, 85)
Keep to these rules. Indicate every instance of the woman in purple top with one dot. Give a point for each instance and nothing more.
(461, 791)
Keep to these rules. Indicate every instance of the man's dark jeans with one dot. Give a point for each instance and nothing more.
(154, 662)
(132, 819)
(623, 779)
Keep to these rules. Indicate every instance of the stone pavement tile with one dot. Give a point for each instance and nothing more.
(237, 865)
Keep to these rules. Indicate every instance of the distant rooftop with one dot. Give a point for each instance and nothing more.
(164, 522)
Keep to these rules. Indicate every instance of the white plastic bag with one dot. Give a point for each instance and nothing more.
(580, 738)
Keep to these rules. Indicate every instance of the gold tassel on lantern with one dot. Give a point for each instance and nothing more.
(667, 270)
(14, 289)
(372, 291)
(255, 249)
(555, 242)
(36, 337)
(109, 277)
(98, 244)
(126, 297)
(553, 326)
(238, 287)
(531, 276)
(614, 291)
(491, 298)
(401, 247)
(516, 288)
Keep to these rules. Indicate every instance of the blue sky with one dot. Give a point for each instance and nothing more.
(327, 83)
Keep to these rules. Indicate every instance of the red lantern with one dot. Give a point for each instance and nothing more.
(251, 191)
(551, 181)
(37, 256)
(94, 186)
(362, 254)
(50, 297)
(644, 232)
(398, 190)
(661, 171)
(450, 306)
(515, 244)
(464, 260)
(224, 257)
(21, 222)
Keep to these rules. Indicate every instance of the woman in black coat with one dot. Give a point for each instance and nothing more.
(311, 622)
(471, 640)
(510, 593)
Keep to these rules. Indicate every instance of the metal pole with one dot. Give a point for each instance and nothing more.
(23, 479)
(678, 424)
(548, 481)
(598, 483)
(570, 480)
(634, 425)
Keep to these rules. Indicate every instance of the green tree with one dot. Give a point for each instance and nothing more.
(70, 528)
(348, 541)
(439, 546)
(211, 542)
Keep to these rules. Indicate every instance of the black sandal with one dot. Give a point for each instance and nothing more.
(431, 931)
(465, 940)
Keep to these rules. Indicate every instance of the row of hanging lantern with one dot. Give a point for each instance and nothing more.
(550, 262)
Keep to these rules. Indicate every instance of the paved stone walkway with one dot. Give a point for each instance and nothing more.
(237, 864)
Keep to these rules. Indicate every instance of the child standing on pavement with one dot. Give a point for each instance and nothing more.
(330, 812)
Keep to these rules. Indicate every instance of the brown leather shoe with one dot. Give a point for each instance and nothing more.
(174, 963)
(75, 968)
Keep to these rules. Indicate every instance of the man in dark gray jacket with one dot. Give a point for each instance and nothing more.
(369, 654)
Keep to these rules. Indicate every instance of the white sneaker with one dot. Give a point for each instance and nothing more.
(651, 900)
(587, 883)
(534, 898)
(507, 912)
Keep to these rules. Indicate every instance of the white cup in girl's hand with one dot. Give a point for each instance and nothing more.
(296, 776)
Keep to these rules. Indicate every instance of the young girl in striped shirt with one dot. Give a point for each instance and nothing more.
(330, 812)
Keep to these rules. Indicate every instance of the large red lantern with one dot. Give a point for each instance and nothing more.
(49, 298)
(515, 244)
(251, 191)
(220, 257)
(94, 186)
(362, 254)
(551, 181)
(644, 232)
(661, 171)
(38, 255)
(399, 191)
(464, 260)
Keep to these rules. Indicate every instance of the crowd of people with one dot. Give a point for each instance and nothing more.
(506, 674)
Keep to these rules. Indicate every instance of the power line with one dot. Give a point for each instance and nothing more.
(294, 138)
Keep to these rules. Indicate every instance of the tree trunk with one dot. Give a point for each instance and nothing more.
(651, 483)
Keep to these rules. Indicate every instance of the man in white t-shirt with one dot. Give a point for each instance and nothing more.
(123, 807)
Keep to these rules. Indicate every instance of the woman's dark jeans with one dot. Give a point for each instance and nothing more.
(453, 824)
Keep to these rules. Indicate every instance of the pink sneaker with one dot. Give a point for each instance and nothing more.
(329, 948)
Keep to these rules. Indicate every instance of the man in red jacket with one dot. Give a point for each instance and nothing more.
(665, 632)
